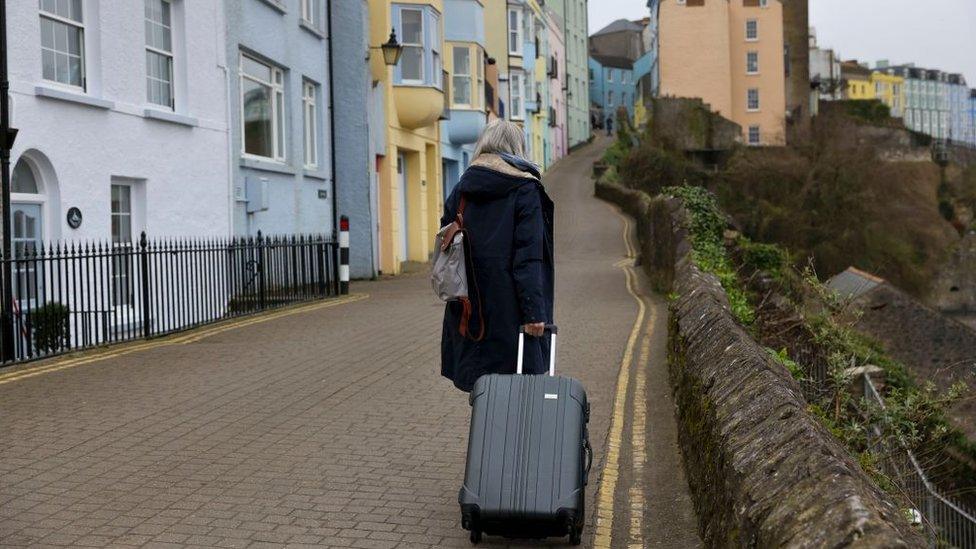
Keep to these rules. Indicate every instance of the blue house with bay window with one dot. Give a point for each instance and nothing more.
(465, 115)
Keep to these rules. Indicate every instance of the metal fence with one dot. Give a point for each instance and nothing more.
(69, 296)
(946, 522)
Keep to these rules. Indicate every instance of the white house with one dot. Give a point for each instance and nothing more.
(121, 107)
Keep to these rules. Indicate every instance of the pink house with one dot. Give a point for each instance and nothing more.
(556, 72)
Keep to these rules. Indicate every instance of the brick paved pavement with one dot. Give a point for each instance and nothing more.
(324, 428)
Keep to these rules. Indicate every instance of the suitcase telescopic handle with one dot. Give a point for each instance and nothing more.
(553, 330)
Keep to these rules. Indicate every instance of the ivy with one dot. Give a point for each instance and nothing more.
(708, 246)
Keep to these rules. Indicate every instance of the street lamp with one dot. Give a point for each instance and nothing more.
(391, 49)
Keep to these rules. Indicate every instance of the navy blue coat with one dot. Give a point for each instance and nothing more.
(508, 218)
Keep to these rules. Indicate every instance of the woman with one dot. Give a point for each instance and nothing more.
(508, 218)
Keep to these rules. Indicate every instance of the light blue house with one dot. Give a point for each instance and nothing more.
(612, 84)
(278, 76)
(972, 118)
(285, 161)
(463, 121)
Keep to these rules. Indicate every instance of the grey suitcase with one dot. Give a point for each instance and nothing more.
(528, 455)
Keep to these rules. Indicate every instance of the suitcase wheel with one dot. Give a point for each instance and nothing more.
(475, 536)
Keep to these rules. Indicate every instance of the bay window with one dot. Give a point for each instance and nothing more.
(63, 42)
(420, 61)
(515, 31)
(462, 76)
(262, 109)
(159, 53)
(517, 95)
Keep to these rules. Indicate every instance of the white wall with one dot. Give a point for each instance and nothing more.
(182, 167)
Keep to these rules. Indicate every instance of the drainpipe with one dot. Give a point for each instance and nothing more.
(332, 124)
(7, 135)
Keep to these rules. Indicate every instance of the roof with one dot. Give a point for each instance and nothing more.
(620, 25)
(853, 283)
(613, 61)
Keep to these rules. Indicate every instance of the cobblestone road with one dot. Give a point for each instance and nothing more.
(326, 427)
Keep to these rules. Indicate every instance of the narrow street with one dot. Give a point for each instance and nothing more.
(329, 425)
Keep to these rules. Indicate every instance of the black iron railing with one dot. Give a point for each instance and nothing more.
(69, 296)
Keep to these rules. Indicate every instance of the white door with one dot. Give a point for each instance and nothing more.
(26, 226)
(402, 177)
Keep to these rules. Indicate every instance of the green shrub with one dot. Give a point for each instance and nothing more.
(51, 327)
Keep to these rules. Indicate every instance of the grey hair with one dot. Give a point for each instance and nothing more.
(501, 136)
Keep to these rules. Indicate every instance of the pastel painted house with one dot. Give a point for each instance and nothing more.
(465, 118)
(612, 85)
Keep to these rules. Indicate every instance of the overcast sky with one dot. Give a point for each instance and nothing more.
(938, 34)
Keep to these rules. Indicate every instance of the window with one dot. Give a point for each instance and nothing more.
(752, 99)
(752, 62)
(63, 42)
(462, 75)
(610, 98)
(752, 30)
(121, 245)
(312, 12)
(309, 115)
(517, 95)
(763, 3)
(609, 75)
(262, 109)
(754, 136)
(515, 32)
(412, 58)
(591, 74)
(480, 90)
(420, 60)
(159, 53)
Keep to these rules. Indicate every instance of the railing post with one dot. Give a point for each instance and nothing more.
(320, 259)
(144, 260)
(261, 274)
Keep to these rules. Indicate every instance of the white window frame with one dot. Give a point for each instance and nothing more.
(277, 86)
(312, 13)
(421, 46)
(167, 54)
(516, 89)
(755, 24)
(515, 31)
(750, 55)
(609, 75)
(460, 77)
(749, 94)
(310, 128)
(610, 98)
(80, 25)
(758, 134)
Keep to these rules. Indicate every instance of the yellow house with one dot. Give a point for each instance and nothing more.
(857, 79)
(409, 192)
(890, 89)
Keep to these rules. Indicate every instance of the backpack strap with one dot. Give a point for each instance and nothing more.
(466, 307)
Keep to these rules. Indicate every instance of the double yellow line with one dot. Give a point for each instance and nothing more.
(190, 337)
(603, 538)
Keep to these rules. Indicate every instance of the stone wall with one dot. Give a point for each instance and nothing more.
(763, 472)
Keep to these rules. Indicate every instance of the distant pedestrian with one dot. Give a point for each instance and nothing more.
(610, 125)
(508, 219)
